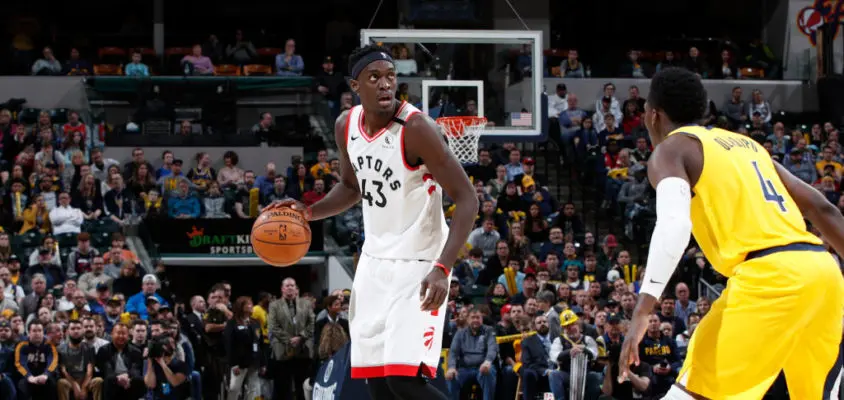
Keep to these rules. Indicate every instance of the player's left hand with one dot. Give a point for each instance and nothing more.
(434, 289)
(630, 348)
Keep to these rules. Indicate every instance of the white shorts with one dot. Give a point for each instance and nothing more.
(390, 335)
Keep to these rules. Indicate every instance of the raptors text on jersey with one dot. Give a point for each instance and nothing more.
(402, 203)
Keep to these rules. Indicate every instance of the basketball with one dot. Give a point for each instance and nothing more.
(281, 237)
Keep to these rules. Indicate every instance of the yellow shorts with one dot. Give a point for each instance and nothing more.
(779, 312)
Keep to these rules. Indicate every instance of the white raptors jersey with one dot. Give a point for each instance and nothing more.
(402, 204)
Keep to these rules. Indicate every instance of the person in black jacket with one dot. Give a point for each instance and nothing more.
(243, 340)
(37, 361)
(535, 365)
(121, 366)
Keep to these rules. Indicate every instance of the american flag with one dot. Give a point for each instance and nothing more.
(521, 119)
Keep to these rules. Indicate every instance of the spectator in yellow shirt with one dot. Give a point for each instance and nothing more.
(322, 167)
(828, 158)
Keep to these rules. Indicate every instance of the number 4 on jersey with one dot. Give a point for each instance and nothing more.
(768, 189)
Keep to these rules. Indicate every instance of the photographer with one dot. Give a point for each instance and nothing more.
(636, 387)
(165, 376)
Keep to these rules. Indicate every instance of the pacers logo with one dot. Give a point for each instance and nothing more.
(810, 19)
(428, 337)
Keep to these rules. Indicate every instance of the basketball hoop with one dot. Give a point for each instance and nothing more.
(463, 134)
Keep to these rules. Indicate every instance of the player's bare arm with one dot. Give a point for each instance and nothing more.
(816, 208)
(343, 195)
(423, 142)
(673, 169)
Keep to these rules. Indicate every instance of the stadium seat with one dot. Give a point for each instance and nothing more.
(227, 70)
(257, 70)
(111, 55)
(173, 58)
(266, 55)
(108, 69)
(31, 239)
(28, 116)
(66, 240)
(752, 72)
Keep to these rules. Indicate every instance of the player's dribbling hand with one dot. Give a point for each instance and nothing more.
(435, 285)
(629, 356)
(286, 203)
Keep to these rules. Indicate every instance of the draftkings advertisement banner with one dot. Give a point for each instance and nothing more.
(212, 236)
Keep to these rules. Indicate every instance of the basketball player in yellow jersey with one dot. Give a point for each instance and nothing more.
(783, 305)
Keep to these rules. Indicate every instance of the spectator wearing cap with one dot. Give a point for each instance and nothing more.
(528, 170)
(660, 352)
(472, 356)
(803, 170)
(571, 343)
(114, 312)
(170, 182)
(7, 352)
(613, 334)
(535, 194)
(65, 218)
(138, 302)
(37, 363)
(608, 252)
(97, 305)
(80, 259)
(54, 274)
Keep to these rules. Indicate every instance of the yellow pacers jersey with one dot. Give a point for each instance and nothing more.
(739, 203)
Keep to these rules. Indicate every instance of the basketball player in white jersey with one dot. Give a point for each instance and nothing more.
(393, 159)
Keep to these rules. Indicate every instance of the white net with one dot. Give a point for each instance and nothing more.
(463, 134)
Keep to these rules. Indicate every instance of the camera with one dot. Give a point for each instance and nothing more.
(160, 347)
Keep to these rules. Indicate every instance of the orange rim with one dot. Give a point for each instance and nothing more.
(453, 126)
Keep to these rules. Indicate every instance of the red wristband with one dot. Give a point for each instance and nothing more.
(442, 266)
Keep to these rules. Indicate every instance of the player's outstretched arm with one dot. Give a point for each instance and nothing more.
(343, 195)
(423, 141)
(816, 208)
(671, 169)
